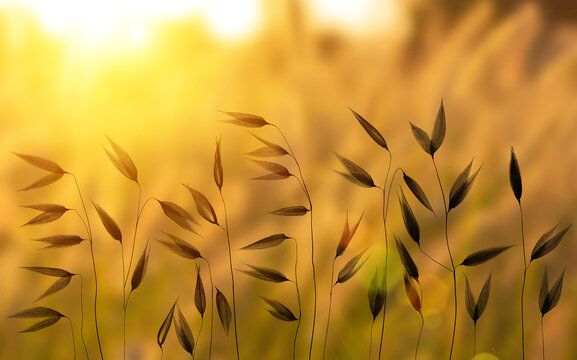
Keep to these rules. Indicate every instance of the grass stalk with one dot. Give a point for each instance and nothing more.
(82, 317)
(330, 306)
(420, 334)
(73, 338)
(226, 230)
(89, 230)
(211, 307)
(543, 337)
(474, 339)
(525, 268)
(298, 298)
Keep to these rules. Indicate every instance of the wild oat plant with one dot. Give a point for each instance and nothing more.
(377, 291)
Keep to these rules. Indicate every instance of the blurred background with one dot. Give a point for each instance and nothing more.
(153, 76)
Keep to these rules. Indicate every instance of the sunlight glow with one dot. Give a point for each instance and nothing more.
(357, 15)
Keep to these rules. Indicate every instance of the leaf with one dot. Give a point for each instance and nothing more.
(483, 299)
(376, 296)
(180, 247)
(280, 311)
(36, 312)
(140, 269)
(548, 242)
(178, 214)
(122, 161)
(50, 212)
(360, 176)
(42, 324)
(411, 223)
(246, 120)
(218, 172)
(109, 223)
(183, 332)
(461, 186)
(203, 206)
(199, 295)
(350, 268)
(412, 294)
(438, 130)
(277, 171)
(291, 211)
(266, 274)
(165, 327)
(57, 286)
(417, 191)
(50, 271)
(515, 176)
(347, 235)
(57, 241)
(543, 290)
(271, 149)
(267, 242)
(44, 181)
(469, 300)
(481, 256)
(552, 298)
(42, 163)
(371, 130)
(422, 138)
(223, 308)
(407, 260)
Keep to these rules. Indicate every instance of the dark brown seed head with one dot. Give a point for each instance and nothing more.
(515, 176)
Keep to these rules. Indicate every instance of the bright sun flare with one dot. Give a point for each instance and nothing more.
(105, 20)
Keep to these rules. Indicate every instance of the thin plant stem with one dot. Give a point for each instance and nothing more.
(432, 259)
(371, 339)
(420, 334)
(138, 213)
(524, 281)
(82, 317)
(88, 228)
(231, 273)
(474, 339)
(450, 257)
(73, 338)
(307, 194)
(123, 303)
(211, 307)
(199, 331)
(330, 306)
(298, 298)
(543, 337)
(161, 353)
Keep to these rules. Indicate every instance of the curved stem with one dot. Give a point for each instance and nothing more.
(432, 259)
(371, 340)
(543, 337)
(450, 257)
(198, 336)
(138, 213)
(420, 333)
(307, 194)
(211, 307)
(475, 339)
(87, 223)
(73, 339)
(82, 317)
(161, 353)
(298, 298)
(231, 273)
(330, 306)
(524, 280)
(386, 198)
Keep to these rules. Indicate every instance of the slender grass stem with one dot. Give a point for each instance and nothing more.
(199, 331)
(314, 276)
(524, 281)
(123, 303)
(474, 339)
(432, 259)
(138, 213)
(82, 317)
(73, 338)
(371, 339)
(450, 257)
(298, 298)
(88, 228)
(330, 306)
(226, 230)
(543, 337)
(161, 353)
(211, 307)
(420, 334)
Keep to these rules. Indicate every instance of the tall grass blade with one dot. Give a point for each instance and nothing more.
(44, 181)
(417, 191)
(267, 242)
(270, 150)
(422, 138)
(412, 293)
(439, 128)
(351, 268)
(178, 214)
(411, 223)
(279, 310)
(165, 327)
(376, 296)
(183, 332)
(481, 256)
(548, 242)
(109, 224)
(266, 274)
(55, 287)
(371, 130)
(42, 163)
(122, 161)
(203, 206)
(407, 260)
(57, 241)
(223, 308)
(357, 174)
(140, 269)
(50, 271)
(199, 294)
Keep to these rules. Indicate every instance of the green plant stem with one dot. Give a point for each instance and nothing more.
(211, 307)
(298, 298)
(73, 339)
(231, 273)
(89, 230)
(543, 337)
(371, 339)
(450, 257)
(82, 317)
(330, 306)
(314, 276)
(524, 281)
(475, 339)
(386, 199)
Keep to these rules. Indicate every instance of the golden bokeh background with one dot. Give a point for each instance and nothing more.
(154, 77)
